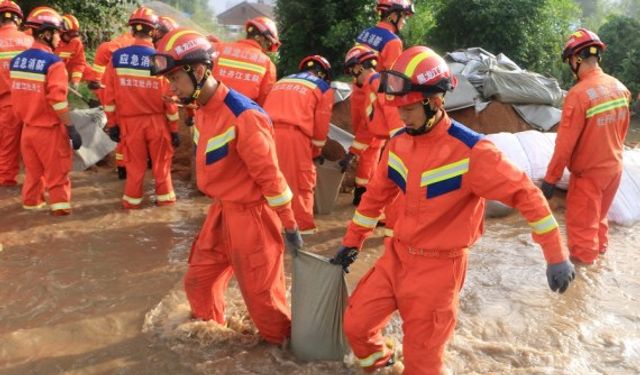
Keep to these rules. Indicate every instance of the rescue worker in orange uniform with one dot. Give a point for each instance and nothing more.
(300, 107)
(590, 142)
(165, 24)
(39, 98)
(445, 171)
(244, 65)
(381, 120)
(13, 42)
(146, 123)
(71, 49)
(237, 168)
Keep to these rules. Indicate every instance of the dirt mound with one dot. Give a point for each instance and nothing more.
(496, 118)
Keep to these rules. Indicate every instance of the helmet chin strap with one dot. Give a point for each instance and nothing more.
(49, 40)
(577, 68)
(431, 114)
(196, 84)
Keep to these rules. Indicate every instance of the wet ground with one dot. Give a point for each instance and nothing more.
(100, 292)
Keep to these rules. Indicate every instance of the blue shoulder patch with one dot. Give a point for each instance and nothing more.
(374, 77)
(33, 61)
(376, 37)
(321, 83)
(135, 57)
(239, 103)
(464, 134)
(399, 132)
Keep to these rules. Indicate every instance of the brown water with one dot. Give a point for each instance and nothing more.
(100, 292)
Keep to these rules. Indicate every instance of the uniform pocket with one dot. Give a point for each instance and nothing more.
(443, 323)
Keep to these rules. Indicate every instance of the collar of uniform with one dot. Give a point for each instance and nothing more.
(143, 42)
(39, 45)
(217, 99)
(387, 26)
(367, 77)
(9, 26)
(251, 43)
(584, 74)
(442, 127)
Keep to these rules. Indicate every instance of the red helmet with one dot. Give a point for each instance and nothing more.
(9, 9)
(181, 47)
(388, 6)
(265, 27)
(143, 16)
(418, 73)
(44, 18)
(316, 62)
(359, 54)
(71, 23)
(580, 40)
(166, 24)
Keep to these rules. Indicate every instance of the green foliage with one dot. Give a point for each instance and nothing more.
(420, 25)
(99, 20)
(620, 33)
(328, 28)
(198, 10)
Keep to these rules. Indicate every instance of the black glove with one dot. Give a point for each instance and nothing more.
(114, 133)
(560, 275)
(175, 139)
(94, 85)
(189, 121)
(74, 136)
(344, 257)
(293, 240)
(547, 189)
(344, 163)
(319, 159)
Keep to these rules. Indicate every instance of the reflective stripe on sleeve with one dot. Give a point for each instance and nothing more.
(544, 225)
(281, 199)
(364, 221)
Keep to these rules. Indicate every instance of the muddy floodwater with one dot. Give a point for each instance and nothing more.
(100, 292)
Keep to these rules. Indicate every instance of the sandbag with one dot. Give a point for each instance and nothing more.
(625, 209)
(318, 299)
(518, 87)
(95, 142)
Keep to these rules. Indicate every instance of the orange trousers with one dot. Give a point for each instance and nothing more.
(425, 290)
(588, 201)
(47, 157)
(295, 158)
(144, 137)
(244, 240)
(10, 130)
(368, 162)
(119, 155)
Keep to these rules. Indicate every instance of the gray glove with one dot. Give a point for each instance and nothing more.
(74, 136)
(547, 189)
(345, 257)
(560, 275)
(293, 240)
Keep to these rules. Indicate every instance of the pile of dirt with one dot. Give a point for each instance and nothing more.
(341, 116)
(496, 118)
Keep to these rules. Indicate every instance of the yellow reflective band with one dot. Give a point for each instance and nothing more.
(173, 116)
(28, 76)
(281, 199)
(229, 63)
(359, 146)
(8, 54)
(318, 143)
(417, 59)
(361, 181)
(196, 135)
(545, 225)
(364, 221)
(134, 201)
(61, 206)
(607, 106)
(370, 360)
(36, 207)
(445, 172)
(303, 82)
(393, 132)
(133, 72)
(398, 165)
(119, 156)
(76, 75)
(309, 231)
(60, 106)
(110, 108)
(40, 11)
(65, 55)
(166, 197)
(221, 140)
(99, 68)
(387, 232)
(173, 39)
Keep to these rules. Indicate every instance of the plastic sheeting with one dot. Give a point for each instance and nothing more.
(95, 142)
(517, 87)
(341, 136)
(625, 209)
(342, 91)
(328, 182)
(318, 299)
(463, 96)
(541, 117)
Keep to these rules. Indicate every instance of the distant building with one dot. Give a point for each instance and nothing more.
(233, 19)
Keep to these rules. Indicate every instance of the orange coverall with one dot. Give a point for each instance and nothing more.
(134, 99)
(243, 67)
(12, 42)
(39, 99)
(237, 167)
(72, 53)
(300, 107)
(590, 141)
(444, 176)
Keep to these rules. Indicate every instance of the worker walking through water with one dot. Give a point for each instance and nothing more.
(147, 124)
(590, 142)
(13, 42)
(237, 168)
(445, 172)
(39, 84)
(300, 107)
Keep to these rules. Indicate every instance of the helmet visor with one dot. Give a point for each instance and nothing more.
(398, 84)
(162, 64)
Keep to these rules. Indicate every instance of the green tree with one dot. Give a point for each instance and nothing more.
(198, 10)
(622, 36)
(531, 32)
(420, 25)
(328, 28)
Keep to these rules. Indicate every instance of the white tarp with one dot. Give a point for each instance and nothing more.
(341, 136)
(342, 91)
(463, 96)
(625, 209)
(95, 142)
(541, 117)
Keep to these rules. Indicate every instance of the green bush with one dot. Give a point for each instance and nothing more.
(622, 36)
